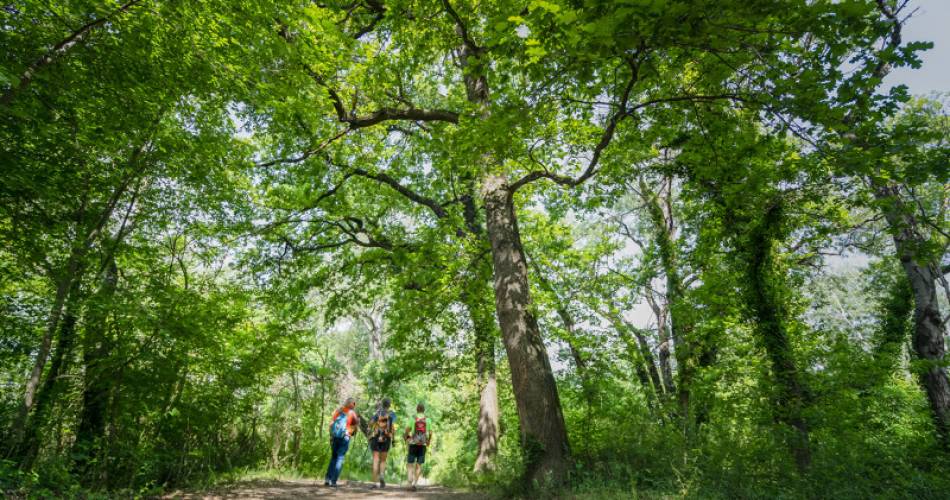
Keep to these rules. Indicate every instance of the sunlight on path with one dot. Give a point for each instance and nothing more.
(307, 488)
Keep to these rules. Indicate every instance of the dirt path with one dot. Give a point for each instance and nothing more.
(308, 488)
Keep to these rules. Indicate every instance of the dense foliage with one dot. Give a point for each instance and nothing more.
(664, 247)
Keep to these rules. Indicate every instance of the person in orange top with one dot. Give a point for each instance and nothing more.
(343, 425)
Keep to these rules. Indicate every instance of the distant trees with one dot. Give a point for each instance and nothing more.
(194, 195)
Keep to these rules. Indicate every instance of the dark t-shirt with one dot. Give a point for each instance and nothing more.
(391, 424)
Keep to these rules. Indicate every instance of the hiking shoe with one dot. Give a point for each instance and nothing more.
(413, 488)
(382, 483)
(326, 483)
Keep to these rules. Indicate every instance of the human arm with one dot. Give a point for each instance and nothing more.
(353, 422)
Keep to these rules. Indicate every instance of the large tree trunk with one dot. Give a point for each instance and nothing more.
(929, 329)
(96, 381)
(544, 434)
(770, 315)
(922, 272)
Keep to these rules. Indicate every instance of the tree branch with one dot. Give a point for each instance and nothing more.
(605, 139)
(883, 67)
(607, 136)
(382, 114)
(436, 207)
(59, 49)
(306, 154)
(389, 114)
(460, 28)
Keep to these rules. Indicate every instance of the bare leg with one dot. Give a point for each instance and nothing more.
(418, 472)
(375, 466)
(382, 466)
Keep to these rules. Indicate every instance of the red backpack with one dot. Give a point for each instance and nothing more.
(419, 434)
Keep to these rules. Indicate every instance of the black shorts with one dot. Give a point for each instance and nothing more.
(417, 454)
(381, 446)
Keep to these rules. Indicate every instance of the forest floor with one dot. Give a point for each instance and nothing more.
(311, 488)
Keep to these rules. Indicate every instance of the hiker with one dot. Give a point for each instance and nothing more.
(343, 425)
(418, 436)
(381, 439)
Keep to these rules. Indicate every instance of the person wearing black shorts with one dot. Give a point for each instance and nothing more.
(417, 454)
(381, 439)
(418, 436)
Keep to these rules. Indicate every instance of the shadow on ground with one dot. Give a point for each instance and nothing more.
(309, 488)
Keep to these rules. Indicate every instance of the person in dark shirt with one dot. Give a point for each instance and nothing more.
(381, 439)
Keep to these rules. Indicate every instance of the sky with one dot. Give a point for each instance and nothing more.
(931, 23)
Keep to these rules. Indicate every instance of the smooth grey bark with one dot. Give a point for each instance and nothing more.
(929, 329)
(489, 414)
(679, 323)
(663, 349)
(375, 327)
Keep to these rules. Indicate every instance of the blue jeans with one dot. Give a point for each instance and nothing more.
(338, 448)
